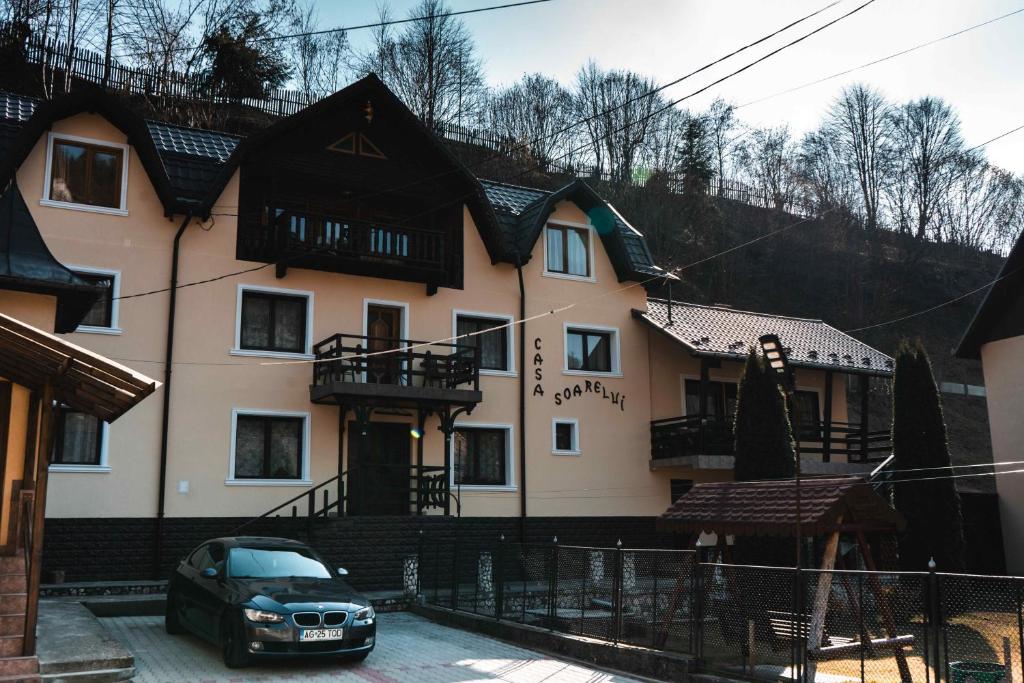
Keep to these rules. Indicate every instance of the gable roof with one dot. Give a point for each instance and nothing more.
(1007, 290)
(189, 168)
(726, 333)
(82, 380)
(768, 508)
(26, 264)
(523, 211)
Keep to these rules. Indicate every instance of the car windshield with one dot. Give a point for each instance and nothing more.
(263, 563)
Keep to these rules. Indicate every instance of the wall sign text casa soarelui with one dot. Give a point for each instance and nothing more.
(573, 391)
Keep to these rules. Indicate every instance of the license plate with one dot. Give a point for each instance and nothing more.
(321, 634)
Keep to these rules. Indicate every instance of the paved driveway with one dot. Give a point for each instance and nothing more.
(409, 648)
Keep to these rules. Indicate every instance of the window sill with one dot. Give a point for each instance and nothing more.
(588, 373)
(469, 488)
(83, 207)
(564, 276)
(90, 329)
(268, 482)
(271, 354)
(497, 373)
(92, 469)
(571, 453)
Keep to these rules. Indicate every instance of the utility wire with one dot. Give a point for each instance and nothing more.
(883, 59)
(345, 29)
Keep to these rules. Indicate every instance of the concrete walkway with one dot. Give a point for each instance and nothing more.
(409, 649)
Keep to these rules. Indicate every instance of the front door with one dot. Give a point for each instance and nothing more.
(378, 466)
(384, 332)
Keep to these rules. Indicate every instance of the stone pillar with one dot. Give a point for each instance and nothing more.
(485, 583)
(410, 575)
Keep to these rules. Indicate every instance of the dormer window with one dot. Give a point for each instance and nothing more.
(86, 174)
(568, 251)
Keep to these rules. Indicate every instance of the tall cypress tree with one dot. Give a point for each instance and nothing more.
(764, 438)
(932, 508)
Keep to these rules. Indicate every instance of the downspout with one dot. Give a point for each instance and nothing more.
(522, 400)
(166, 411)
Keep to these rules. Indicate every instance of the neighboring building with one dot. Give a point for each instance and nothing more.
(996, 337)
(350, 232)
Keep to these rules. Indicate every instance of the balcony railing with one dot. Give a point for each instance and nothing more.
(294, 234)
(348, 358)
(687, 435)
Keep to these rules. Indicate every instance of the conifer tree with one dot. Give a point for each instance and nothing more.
(931, 508)
(764, 438)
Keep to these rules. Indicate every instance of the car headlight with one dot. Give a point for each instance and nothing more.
(262, 616)
(364, 614)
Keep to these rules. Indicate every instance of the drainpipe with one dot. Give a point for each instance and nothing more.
(165, 417)
(522, 400)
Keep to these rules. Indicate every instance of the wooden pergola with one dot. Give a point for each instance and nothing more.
(57, 374)
(828, 507)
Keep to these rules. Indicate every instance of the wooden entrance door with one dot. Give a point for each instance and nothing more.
(384, 329)
(378, 465)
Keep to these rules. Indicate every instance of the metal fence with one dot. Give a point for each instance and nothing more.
(747, 622)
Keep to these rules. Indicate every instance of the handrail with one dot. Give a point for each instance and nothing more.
(27, 501)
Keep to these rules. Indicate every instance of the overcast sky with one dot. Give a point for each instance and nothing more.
(981, 73)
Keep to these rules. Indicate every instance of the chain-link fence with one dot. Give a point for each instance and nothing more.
(748, 622)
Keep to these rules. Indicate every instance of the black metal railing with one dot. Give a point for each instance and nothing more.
(411, 490)
(290, 235)
(405, 362)
(745, 622)
(689, 435)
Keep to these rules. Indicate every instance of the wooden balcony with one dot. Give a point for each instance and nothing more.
(708, 443)
(394, 373)
(326, 242)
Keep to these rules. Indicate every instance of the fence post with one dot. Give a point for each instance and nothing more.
(553, 584)
(419, 560)
(311, 504)
(617, 593)
(499, 577)
(934, 611)
(1020, 626)
(454, 601)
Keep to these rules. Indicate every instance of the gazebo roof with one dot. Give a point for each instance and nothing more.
(82, 380)
(768, 508)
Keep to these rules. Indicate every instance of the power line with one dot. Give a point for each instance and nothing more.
(379, 24)
(882, 59)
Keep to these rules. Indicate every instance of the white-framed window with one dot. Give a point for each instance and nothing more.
(102, 318)
(269, 448)
(569, 250)
(497, 347)
(273, 322)
(591, 350)
(86, 174)
(81, 443)
(483, 457)
(565, 436)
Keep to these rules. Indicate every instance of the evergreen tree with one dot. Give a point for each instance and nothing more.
(931, 508)
(764, 438)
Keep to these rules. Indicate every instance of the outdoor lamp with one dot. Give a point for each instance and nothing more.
(775, 354)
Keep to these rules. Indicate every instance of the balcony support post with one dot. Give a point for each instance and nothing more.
(421, 421)
(705, 383)
(865, 381)
(826, 435)
(446, 423)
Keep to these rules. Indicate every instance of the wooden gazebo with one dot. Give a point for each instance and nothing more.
(828, 507)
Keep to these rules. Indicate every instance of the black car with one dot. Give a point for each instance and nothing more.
(268, 597)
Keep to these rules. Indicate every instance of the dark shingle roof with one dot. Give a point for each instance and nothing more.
(769, 508)
(16, 107)
(720, 331)
(512, 199)
(192, 141)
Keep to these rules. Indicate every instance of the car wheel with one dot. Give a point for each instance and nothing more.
(233, 643)
(172, 620)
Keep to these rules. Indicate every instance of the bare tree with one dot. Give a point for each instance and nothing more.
(535, 112)
(824, 177)
(622, 112)
(319, 62)
(927, 142)
(767, 154)
(722, 127)
(861, 124)
(982, 206)
(431, 65)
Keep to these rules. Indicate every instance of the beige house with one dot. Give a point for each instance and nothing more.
(996, 337)
(330, 305)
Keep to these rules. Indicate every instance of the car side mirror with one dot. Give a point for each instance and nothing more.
(209, 573)
(342, 571)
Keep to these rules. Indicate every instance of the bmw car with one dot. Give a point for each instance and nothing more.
(262, 597)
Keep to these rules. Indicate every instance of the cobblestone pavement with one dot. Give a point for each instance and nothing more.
(409, 648)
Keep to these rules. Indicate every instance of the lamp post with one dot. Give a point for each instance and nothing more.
(775, 354)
